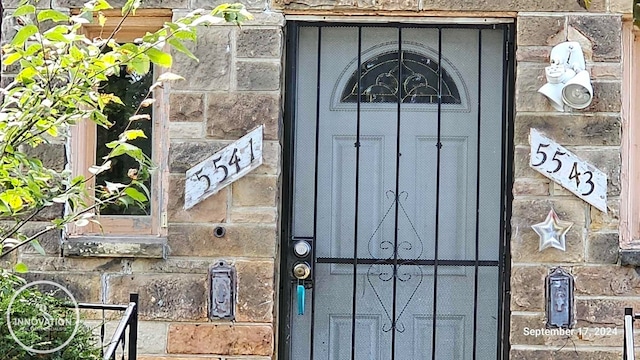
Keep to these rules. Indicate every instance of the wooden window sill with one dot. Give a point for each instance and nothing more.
(151, 247)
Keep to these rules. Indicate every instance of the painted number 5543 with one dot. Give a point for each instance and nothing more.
(555, 164)
(568, 170)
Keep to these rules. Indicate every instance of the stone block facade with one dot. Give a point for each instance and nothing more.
(602, 287)
(239, 84)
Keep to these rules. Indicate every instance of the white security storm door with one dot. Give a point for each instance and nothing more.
(398, 189)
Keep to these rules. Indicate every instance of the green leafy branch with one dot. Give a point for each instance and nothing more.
(58, 85)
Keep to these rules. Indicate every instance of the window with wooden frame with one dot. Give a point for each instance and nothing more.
(87, 145)
(630, 199)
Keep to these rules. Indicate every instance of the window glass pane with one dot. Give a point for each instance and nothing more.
(379, 80)
(132, 89)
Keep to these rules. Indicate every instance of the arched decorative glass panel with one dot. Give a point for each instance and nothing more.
(419, 81)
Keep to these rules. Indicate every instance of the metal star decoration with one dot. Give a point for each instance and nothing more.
(552, 232)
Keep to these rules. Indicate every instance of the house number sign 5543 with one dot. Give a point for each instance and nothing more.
(574, 174)
(224, 167)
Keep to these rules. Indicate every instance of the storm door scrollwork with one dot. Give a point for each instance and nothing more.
(419, 83)
(405, 270)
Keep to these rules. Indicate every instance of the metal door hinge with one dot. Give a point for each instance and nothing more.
(164, 221)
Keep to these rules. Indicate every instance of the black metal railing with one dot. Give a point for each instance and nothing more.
(127, 341)
(629, 347)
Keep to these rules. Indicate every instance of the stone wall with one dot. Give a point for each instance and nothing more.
(235, 87)
(594, 134)
(238, 84)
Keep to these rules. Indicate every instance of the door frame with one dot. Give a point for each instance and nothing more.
(284, 294)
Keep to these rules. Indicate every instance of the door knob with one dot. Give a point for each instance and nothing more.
(301, 271)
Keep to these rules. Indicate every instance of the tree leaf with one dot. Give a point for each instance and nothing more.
(88, 215)
(107, 98)
(53, 15)
(35, 244)
(113, 187)
(4, 208)
(244, 15)
(147, 102)
(133, 134)
(131, 150)
(140, 64)
(126, 201)
(184, 34)
(178, 45)
(76, 53)
(131, 5)
(160, 58)
(127, 7)
(94, 169)
(207, 20)
(77, 180)
(26, 75)
(24, 10)
(20, 268)
(79, 19)
(135, 194)
(145, 189)
(586, 4)
(60, 199)
(157, 84)
(11, 58)
(57, 37)
(99, 118)
(13, 200)
(102, 19)
(168, 76)
(10, 243)
(82, 222)
(23, 34)
(101, 5)
(53, 131)
(140, 117)
(150, 38)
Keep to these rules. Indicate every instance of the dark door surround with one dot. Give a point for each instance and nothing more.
(286, 284)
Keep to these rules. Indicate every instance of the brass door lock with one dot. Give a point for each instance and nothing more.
(301, 271)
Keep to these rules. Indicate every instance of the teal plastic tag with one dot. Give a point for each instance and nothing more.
(301, 293)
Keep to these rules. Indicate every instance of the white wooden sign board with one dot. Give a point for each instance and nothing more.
(562, 166)
(223, 168)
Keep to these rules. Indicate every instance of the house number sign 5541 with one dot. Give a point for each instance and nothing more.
(574, 174)
(224, 167)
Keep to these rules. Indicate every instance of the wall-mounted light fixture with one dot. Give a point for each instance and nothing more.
(568, 82)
